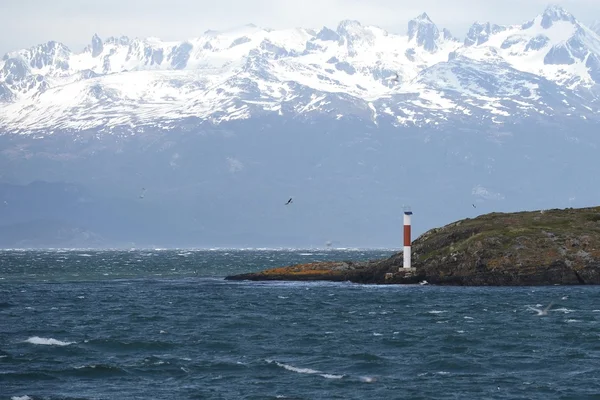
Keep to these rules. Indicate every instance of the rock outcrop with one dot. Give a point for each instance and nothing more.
(544, 247)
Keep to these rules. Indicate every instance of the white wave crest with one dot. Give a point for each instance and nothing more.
(305, 370)
(368, 379)
(298, 370)
(48, 342)
(331, 376)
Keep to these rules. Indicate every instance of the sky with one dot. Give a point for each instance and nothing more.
(26, 23)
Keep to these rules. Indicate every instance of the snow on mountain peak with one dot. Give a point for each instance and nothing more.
(350, 29)
(424, 18)
(248, 70)
(121, 40)
(480, 33)
(424, 32)
(553, 45)
(51, 54)
(327, 34)
(554, 13)
(447, 35)
(356, 36)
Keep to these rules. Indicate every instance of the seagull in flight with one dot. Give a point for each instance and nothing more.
(474, 206)
(289, 201)
(542, 312)
(395, 78)
(143, 191)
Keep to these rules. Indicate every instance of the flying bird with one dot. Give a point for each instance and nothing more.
(143, 191)
(474, 206)
(289, 201)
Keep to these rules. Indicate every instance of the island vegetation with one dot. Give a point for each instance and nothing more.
(544, 247)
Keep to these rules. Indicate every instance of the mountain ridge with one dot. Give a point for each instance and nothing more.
(251, 71)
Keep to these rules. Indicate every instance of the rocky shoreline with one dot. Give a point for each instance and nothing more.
(545, 247)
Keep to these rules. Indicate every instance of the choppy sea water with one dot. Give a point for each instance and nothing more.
(165, 325)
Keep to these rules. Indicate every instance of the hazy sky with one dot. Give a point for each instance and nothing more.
(73, 22)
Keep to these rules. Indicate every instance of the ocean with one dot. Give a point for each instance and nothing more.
(164, 324)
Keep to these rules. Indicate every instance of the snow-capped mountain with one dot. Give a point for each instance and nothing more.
(549, 66)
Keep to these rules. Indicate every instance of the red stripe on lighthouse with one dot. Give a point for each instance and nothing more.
(407, 235)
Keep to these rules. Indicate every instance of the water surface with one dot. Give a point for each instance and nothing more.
(165, 324)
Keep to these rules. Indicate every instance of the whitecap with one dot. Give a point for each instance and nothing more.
(436, 312)
(47, 341)
(331, 376)
(368, 379)
(563, 309)
(305, 370)
(298, 370)
(377, 334)
(21, 398)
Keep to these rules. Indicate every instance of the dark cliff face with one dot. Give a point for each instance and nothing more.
(528, 248)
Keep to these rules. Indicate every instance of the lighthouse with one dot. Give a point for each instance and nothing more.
(406, 255)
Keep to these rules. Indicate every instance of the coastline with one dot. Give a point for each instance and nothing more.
(543, 247)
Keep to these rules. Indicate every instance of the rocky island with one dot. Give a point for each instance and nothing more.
(545, 247)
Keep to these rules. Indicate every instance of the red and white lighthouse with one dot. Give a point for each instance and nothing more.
(406, 254)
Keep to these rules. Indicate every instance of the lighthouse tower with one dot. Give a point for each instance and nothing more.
(406, 256)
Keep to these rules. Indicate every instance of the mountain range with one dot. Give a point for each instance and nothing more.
(548, 66)
(219, 131)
